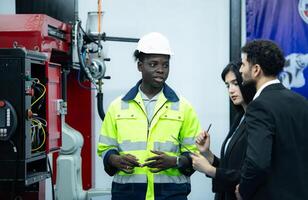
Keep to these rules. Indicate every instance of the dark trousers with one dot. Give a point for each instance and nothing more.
(137, 191)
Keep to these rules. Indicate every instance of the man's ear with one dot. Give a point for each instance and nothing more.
(257, 70)
(140, 66)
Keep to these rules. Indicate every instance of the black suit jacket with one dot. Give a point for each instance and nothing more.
(276, 163)
(228, 167)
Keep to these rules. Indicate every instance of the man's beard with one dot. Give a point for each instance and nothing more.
(249, 87)
(249, 82)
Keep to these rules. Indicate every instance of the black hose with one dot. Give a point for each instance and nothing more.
(83, 67)
(100, 105)
(52, 185)
(64, 84)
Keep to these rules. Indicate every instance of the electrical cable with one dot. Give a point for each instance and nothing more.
(88, 37)
(83, 31)
(42, 100)
(14, 146)
(41, 120)
(83, 86)
(79, 80)
(44, 91)
(16, 170)
(79, 52)
(52, 185)
(40, 126)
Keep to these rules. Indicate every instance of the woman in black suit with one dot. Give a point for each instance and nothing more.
(225, 172)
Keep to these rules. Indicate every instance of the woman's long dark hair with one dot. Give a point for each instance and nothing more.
(248, 90)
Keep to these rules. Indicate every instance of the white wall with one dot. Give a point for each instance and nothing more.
(199, 34)
(7, 7)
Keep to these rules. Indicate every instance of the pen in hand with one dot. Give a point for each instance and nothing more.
(203, 144)
(203, 138)
(208, 129)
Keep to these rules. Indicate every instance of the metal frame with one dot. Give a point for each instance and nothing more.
(235, 38)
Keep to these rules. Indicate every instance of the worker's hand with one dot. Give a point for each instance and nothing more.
(237, 192)
(203, 145)
(201, 164)
(125, 162)
(203, 142)
(160, 162)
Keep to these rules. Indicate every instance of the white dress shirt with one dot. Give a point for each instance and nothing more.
(265, 85)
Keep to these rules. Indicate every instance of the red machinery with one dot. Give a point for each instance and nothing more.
(43, 34)
(36, 32)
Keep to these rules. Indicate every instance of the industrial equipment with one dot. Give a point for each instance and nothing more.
(45, 65)
(30, 126)
(33, 50)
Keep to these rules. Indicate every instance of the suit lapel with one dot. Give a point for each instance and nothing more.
(232, 129)
(239, 132)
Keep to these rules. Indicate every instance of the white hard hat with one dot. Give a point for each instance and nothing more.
(154, 43)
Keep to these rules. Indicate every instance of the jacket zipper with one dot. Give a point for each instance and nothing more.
(149, 122)
(148, 125)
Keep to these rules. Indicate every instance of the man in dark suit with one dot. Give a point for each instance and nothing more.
(276, 162)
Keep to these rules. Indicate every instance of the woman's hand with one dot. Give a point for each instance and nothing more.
(203, 142)
(201, 164)
(237, 192)
(203, 145)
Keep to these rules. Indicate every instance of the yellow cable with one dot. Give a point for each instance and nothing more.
(38, 82)
(44, 134)
(38, 122)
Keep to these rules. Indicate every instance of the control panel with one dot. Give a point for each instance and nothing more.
(8, 120)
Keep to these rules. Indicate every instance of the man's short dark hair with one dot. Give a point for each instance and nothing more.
(140, 56)
(265, 53)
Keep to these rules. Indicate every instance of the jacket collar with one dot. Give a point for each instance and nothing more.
(265, 85)
(277, 86)
(168, 92)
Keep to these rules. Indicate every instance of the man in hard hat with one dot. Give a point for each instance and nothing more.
(147, 135)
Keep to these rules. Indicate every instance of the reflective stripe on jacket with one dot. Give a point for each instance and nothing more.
(126, 129)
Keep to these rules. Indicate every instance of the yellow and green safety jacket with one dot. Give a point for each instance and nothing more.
(126, 129)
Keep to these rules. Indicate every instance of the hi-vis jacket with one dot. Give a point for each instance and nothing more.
(126, 129)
